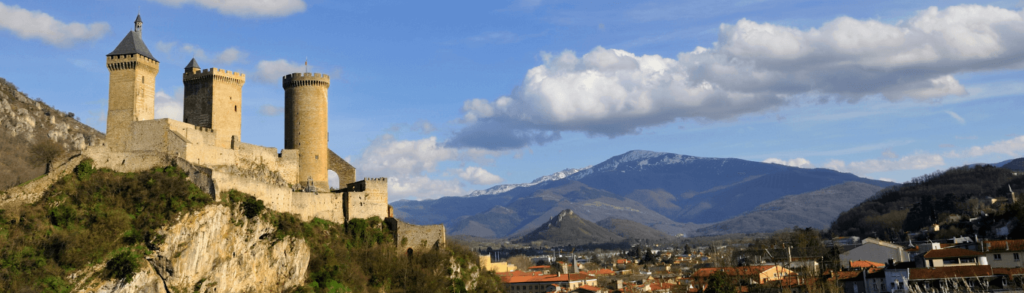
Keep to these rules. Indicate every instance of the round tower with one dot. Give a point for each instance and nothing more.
(305, 125)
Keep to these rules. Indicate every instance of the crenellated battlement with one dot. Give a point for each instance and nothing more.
(127, 62)
(306, 79)
(214, 73)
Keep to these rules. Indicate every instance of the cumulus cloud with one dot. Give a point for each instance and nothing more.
(272, 71)
(412, 166)
(956, 116)
(226, 57)
(245, 8)
(754, 67)
(798, 162)
(421, 187)
(230, 55)
(39, 25)
(479, 176)
(911, 162)
(168, 106)
(271, 110)
(1012, 147)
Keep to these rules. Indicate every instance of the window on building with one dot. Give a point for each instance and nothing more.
(949, 261)
(1016, 256)
(966, 260)
(997, 256)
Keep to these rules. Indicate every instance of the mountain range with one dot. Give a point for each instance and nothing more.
(671, 193)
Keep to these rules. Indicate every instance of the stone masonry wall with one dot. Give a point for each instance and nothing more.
(346, 173)
(416, 237)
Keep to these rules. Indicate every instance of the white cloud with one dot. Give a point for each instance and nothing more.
(1012, 147)
(421, 187)
(387, 157)
(889, 154)
(956, 116)
(167, 106)
(754, 67)
(479, 176)
(412, 166)
(196, 52)
(271, 110)
(273, 71)
(39, 25)
(912, 162)
(165, 47)
(425, 126)
(245, 8)
(798, 162)
(230, 55)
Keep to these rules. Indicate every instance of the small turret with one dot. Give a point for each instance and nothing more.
(193, 66)
(138, 23)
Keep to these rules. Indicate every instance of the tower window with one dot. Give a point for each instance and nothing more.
(143, 80)
(236, 108)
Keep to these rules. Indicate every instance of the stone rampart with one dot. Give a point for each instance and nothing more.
(367, 198)
(346, 173)
(416, 237)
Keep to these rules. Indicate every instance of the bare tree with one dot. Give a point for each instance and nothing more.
(45, 152)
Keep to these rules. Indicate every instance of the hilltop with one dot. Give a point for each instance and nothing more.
(25, 122)
(566, 228)
(942, 198)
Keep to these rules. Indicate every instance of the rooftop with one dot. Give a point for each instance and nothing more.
(951, 252)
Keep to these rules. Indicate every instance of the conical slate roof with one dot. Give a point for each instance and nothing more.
(138, 18)
(193, 64)
(132, 44)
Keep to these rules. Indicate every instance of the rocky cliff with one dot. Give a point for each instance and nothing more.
(213, 250)
(24, 122)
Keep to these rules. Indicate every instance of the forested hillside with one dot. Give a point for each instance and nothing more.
(944, 198)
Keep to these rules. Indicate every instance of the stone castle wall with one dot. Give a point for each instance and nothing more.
(416, 237)
(132, 93)
(346, 172)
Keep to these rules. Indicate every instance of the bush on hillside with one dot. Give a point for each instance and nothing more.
(74, 223)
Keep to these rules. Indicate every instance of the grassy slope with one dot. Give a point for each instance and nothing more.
(99, 216)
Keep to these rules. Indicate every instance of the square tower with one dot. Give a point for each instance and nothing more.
(213, 99)
(132, 87)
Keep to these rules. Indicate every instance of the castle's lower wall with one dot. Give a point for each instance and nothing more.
(126, 161)
(324, 205)
(364, 205)
(416, 237)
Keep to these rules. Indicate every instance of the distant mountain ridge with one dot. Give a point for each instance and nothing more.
(675, 194)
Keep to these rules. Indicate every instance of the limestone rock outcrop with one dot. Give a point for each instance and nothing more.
(213, 250)
(21, 116)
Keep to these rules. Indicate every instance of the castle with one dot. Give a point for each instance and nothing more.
(209, 142)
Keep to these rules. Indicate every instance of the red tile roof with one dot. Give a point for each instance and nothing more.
(1008, 271)
(866, 264)
(590, 288)
(600, 272)
(732, 271)
(843, 275)
(951, 252)
(545, 278)
(950, 272)
(1004, 245)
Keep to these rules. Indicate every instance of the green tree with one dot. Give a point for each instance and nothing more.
(719, 282)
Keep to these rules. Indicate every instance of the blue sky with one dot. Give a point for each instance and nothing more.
(448, 97)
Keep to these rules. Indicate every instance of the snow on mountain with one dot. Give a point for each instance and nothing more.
(506, 187)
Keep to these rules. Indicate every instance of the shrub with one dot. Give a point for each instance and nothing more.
(123, 265)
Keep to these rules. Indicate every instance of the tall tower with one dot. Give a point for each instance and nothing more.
(132, 76)
(305, 125)
(213, 99)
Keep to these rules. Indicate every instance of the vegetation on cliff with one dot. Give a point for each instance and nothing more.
(99, 217)
(90, 217)
(937, 198)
